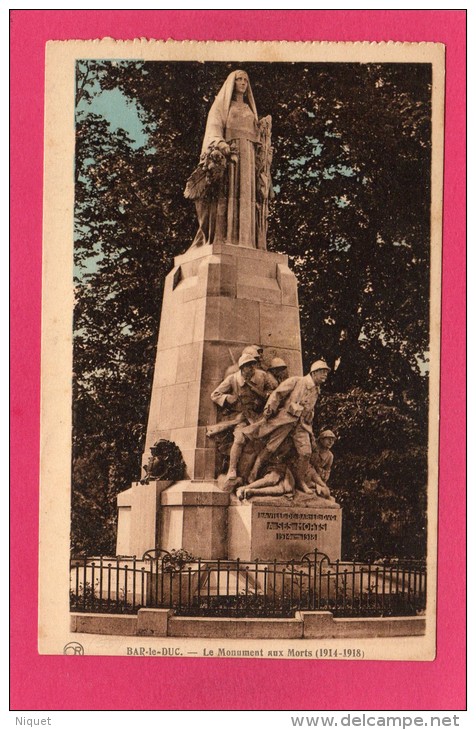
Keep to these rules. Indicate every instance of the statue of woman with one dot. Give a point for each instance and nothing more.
(232, 183)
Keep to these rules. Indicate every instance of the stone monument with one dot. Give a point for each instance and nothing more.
(224, 294)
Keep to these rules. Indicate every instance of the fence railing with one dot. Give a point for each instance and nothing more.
(194, 587)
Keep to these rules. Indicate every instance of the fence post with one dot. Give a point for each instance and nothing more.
(133, 583)
(109, 567)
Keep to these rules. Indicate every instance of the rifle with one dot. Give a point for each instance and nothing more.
(224, 426)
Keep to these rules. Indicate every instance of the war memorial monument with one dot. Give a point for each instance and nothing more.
(229, 389)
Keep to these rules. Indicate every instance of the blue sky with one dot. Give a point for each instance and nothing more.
(118, 111)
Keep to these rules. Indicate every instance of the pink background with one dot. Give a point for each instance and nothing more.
(64, 682)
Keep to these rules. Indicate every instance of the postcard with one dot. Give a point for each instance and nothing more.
(240, 349)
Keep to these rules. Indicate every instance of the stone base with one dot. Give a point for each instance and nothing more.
(137, 520)
(213, 524)
(269, 529)
(194, 518)
(235, 628)
(187, 515)
(305, 625)
(153, 621)
(322, 625)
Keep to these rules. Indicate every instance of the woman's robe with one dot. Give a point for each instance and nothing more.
(227, 211)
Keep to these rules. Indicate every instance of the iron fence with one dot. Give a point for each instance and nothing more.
(194, 587)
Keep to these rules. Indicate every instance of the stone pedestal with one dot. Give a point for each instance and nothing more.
(270, 529)
(217, 300)
(138, 527)
(187, 515)
(194, 517)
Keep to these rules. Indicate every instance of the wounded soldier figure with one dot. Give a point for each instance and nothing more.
(277, 479)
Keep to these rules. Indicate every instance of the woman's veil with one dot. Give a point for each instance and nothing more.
(217, 116)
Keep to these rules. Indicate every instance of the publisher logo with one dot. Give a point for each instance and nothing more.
(73, 648)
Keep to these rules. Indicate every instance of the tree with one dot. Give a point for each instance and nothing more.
(352, 210)
(379, 474)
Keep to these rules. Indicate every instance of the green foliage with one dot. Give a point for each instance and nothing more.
(88, 599)
(379, 474)
(351, 172)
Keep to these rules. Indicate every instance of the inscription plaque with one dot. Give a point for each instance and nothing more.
(269, 532)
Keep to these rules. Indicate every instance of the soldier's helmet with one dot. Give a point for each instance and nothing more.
(276, 363)
(253, 350)
(326, 434)
(246, 360)
(319, 365)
